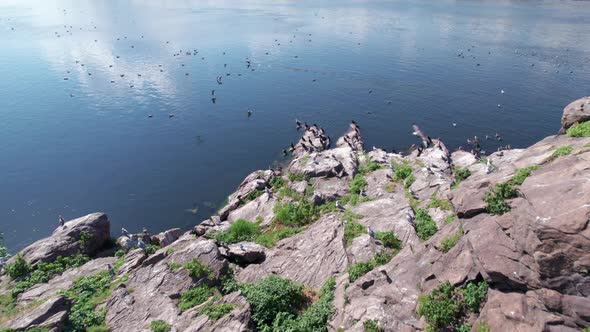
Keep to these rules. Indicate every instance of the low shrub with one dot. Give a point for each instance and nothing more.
(360, 269)
(159, 326)
(296, 177)
(295, 214)
(270, 237)
(18, 268)
(216, 311)
(448, 242)
(358, 184)
(277, 183)
(368, 167)
(562, 151)
(579, 130)
(173, 266)
(271, 296)
(425, 226)
(97, 328)
(521, 175)
(198, 270)
(83, 293)
(352, 229)
(240, 230)
(372, 325)
(388, 239)
(151, 249)
(195, 296)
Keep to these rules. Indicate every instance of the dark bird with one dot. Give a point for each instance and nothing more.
(61, 220)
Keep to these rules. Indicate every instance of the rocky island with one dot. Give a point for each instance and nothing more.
(340, 240)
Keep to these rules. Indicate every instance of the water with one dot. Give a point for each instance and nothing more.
(85, 144)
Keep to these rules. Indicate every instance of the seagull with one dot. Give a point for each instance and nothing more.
(454, 124)
(339, 206)
(411, 192)
(410, 218)
(370, 232)
(141, 245)
(61, 220)
(267, 191)
(125, 232)
(489, 166)
(249, 113)
(502, 91)
(362, 193)
(111, 270)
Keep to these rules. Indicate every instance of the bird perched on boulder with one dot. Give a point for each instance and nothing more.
(339, 206)
(125, 232)
(141, 245)
(61, 220)
(370, 232)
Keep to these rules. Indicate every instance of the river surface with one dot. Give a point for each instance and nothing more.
(103, 109)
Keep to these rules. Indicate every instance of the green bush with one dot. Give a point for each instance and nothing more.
(448, 242)
(521, 175)
(474, 294)
(85, 239)
(579, 130)
(270, 237)
(119, 253)
(358, 183)
(495, 198)
(562, 151)
(402, 172)
(381, 258)
(439, 308)
(98, 328)
(465, 327)
(425, 226)
(195, 296)
(296, 177)
(271, 296)
(198, 270)
(3, 251)
(151, 249)
(389, 240)
(18, 268)
(372, 326)
(173, 266)
(444, 307)
(360, 269)
(46, 271)
(159, 326)
(460, 175)
(83, 293)
(277, 183)
(352, 229)
(451, 217)
(443, 204)
(254, 194)
(216, 311)
(368, 167)
(240, 230)
(295, 214)
(315, 318)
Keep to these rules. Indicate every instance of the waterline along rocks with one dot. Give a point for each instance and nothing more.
(340, 240)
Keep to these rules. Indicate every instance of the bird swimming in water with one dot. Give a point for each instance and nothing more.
(125, 232)
(249, 113)
(502, 91)
(61, 220)
(297, 124)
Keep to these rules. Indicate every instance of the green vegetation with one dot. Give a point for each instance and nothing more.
(296, 177)
(465, 327)
(496, 198)
(360, 269)
(159, 326)
(270, 297)
(522, 174)
(151, 249)
(562, 151)
(169, 251)
(86, 293)
(446, 306)
(425, 226)
(3, 251)
(372, 326)
(271, 236)
(295, 214)
(173, 266)
(195, 296)
(277, 183)
(98, 328)
(460, 175)
(579, 130)
(254, 194)
(368, 166)
(448, 242)
(240, 230)
(358, 184)
(18, 268)
(315, 317)
(216, 311)
(402, 172)
(443, 204)
(389, 240)
(44, 272)
(484, 327)
(198, 270)
(352, 229)
(85, 239)
(450, 218)
(119, 253)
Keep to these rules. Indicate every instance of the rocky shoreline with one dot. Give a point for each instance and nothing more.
(341, 240)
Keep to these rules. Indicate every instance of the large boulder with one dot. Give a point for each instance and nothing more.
(50, 315)
(86, 234)
(246, 252)
(577, 111)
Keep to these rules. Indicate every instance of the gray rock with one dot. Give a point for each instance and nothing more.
(237, 320)
(169, 236)
(51, 314)
(577, 111)
(65, 240)
(246, 252)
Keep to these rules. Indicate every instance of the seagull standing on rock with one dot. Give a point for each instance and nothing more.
(410, 218)
(61, 220)
(125, 232)
(141, 245)
(489, 166)
(370, 232)
(339, 206)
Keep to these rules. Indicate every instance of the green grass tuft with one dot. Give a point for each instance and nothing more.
(443, 204)
(372, 325)
(425, 226)
(195, 296)
(295, 214)
(216, 311)
(448, 242)
(240, 230)
(358, 183)
(579, 130)
(389, 240)
(353, 229)
(159, 326)
(198, 270)
(562, 151)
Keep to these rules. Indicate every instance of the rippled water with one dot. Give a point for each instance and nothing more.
(86, 144)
